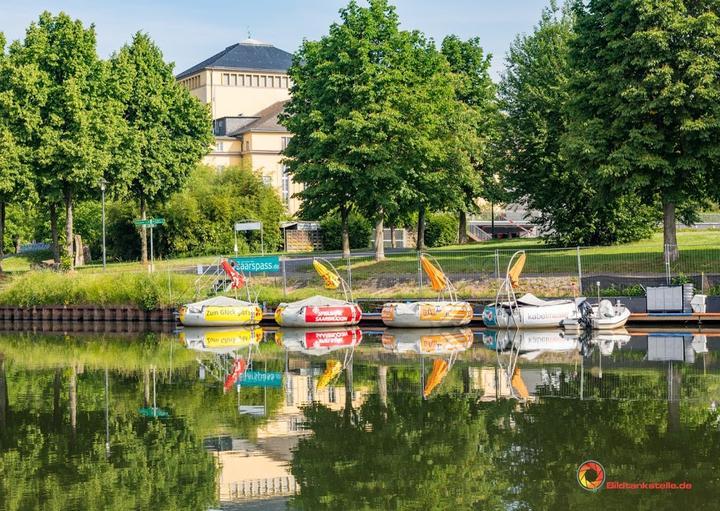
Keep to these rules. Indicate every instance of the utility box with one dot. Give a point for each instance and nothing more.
(665, 299)
(698, 303)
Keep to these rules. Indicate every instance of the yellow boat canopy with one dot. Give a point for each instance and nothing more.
(438, 280)
(332, 369)
(515, 271)
(332, 281)
(439, 372)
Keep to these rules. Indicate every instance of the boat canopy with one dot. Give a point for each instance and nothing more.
(317, 300)
(533, 301)
(220, 301)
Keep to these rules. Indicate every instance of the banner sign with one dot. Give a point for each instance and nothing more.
(259, 264)
(261, 379)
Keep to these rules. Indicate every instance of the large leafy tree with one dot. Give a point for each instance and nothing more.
(645, 98)
(75, 119)
(168, 130)
(14, 178)
(572, 207)
(477, 92)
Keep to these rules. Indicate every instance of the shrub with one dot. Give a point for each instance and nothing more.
(359, 230)
(441, 229)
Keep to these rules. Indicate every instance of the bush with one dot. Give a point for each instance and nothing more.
(359, 229)
(441, 229)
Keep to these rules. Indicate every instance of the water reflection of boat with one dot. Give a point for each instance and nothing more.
(608, 341)
(318, 341)
(220, 340)
(530, 340)
(424, 341)
(448, 311)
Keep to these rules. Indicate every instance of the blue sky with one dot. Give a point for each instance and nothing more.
(189, 32)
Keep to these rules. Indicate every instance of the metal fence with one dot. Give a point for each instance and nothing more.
(618, 268)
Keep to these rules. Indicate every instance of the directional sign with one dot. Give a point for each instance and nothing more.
(264, 264)
(260, 379)
(248, 226)
(149, 222)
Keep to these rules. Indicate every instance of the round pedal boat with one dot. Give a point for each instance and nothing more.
(318, 311)
(427, 314)
(220, 311)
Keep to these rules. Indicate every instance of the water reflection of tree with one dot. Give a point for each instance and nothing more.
(400, 452)
(153, 464)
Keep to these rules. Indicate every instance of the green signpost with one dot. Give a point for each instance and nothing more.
(150, 223)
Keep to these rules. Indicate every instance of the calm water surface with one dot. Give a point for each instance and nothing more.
(344, 419)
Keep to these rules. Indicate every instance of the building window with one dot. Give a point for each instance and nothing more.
(285, 82)
(220, 168)
(285, 141)
(226, 79)
(267, 180)
(247, 145)
(256, 80)
(219, 147)
(235, 80)
(264, 81)
(285, 185)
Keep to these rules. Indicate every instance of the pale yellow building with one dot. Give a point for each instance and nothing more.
(246, 86)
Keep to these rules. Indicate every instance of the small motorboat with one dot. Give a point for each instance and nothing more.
(321, 310)
(447, 311)
(528, 311)
(220, 340)
(220, 311)
(604, 316)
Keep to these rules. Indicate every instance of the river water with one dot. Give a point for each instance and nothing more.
(350, 419)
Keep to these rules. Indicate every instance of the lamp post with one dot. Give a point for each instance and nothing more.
(103, 185)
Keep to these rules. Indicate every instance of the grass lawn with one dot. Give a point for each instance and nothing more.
(473, 266)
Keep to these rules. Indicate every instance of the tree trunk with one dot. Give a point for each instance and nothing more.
(379, 236)
(420, 245)
(72, 396)
(2, 228)
(392, 236)
(382, 384)
(670, 231)
(143, 233)
(69, 238)
(3, 395)
(462, 228)
(345, 223)
(54, 232)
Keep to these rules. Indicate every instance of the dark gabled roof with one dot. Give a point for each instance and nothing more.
(249, 55)
(267, 120)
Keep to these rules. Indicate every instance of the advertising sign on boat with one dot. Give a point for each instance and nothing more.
(332, 338)
(329, 314)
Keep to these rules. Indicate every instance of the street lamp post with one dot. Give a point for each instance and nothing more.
(103, 185)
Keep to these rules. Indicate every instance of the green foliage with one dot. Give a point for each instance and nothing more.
(644, 109)
(613, 290)
(121, 237)
(441, 229)
(168, 131)
(574, 209)
(71, 122)
(359, 229)
(200, 217)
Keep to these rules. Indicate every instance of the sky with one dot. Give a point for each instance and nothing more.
(191, 31)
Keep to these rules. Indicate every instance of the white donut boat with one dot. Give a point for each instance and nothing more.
(318, 311)
(220, 311)
(448, 311)
(427, 314)
(318, 341)
(220, 340)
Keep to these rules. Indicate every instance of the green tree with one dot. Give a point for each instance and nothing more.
(476, 90)
(169, 130)
(572, 207)
(15, 178)
(645, 110)
(72, 119)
